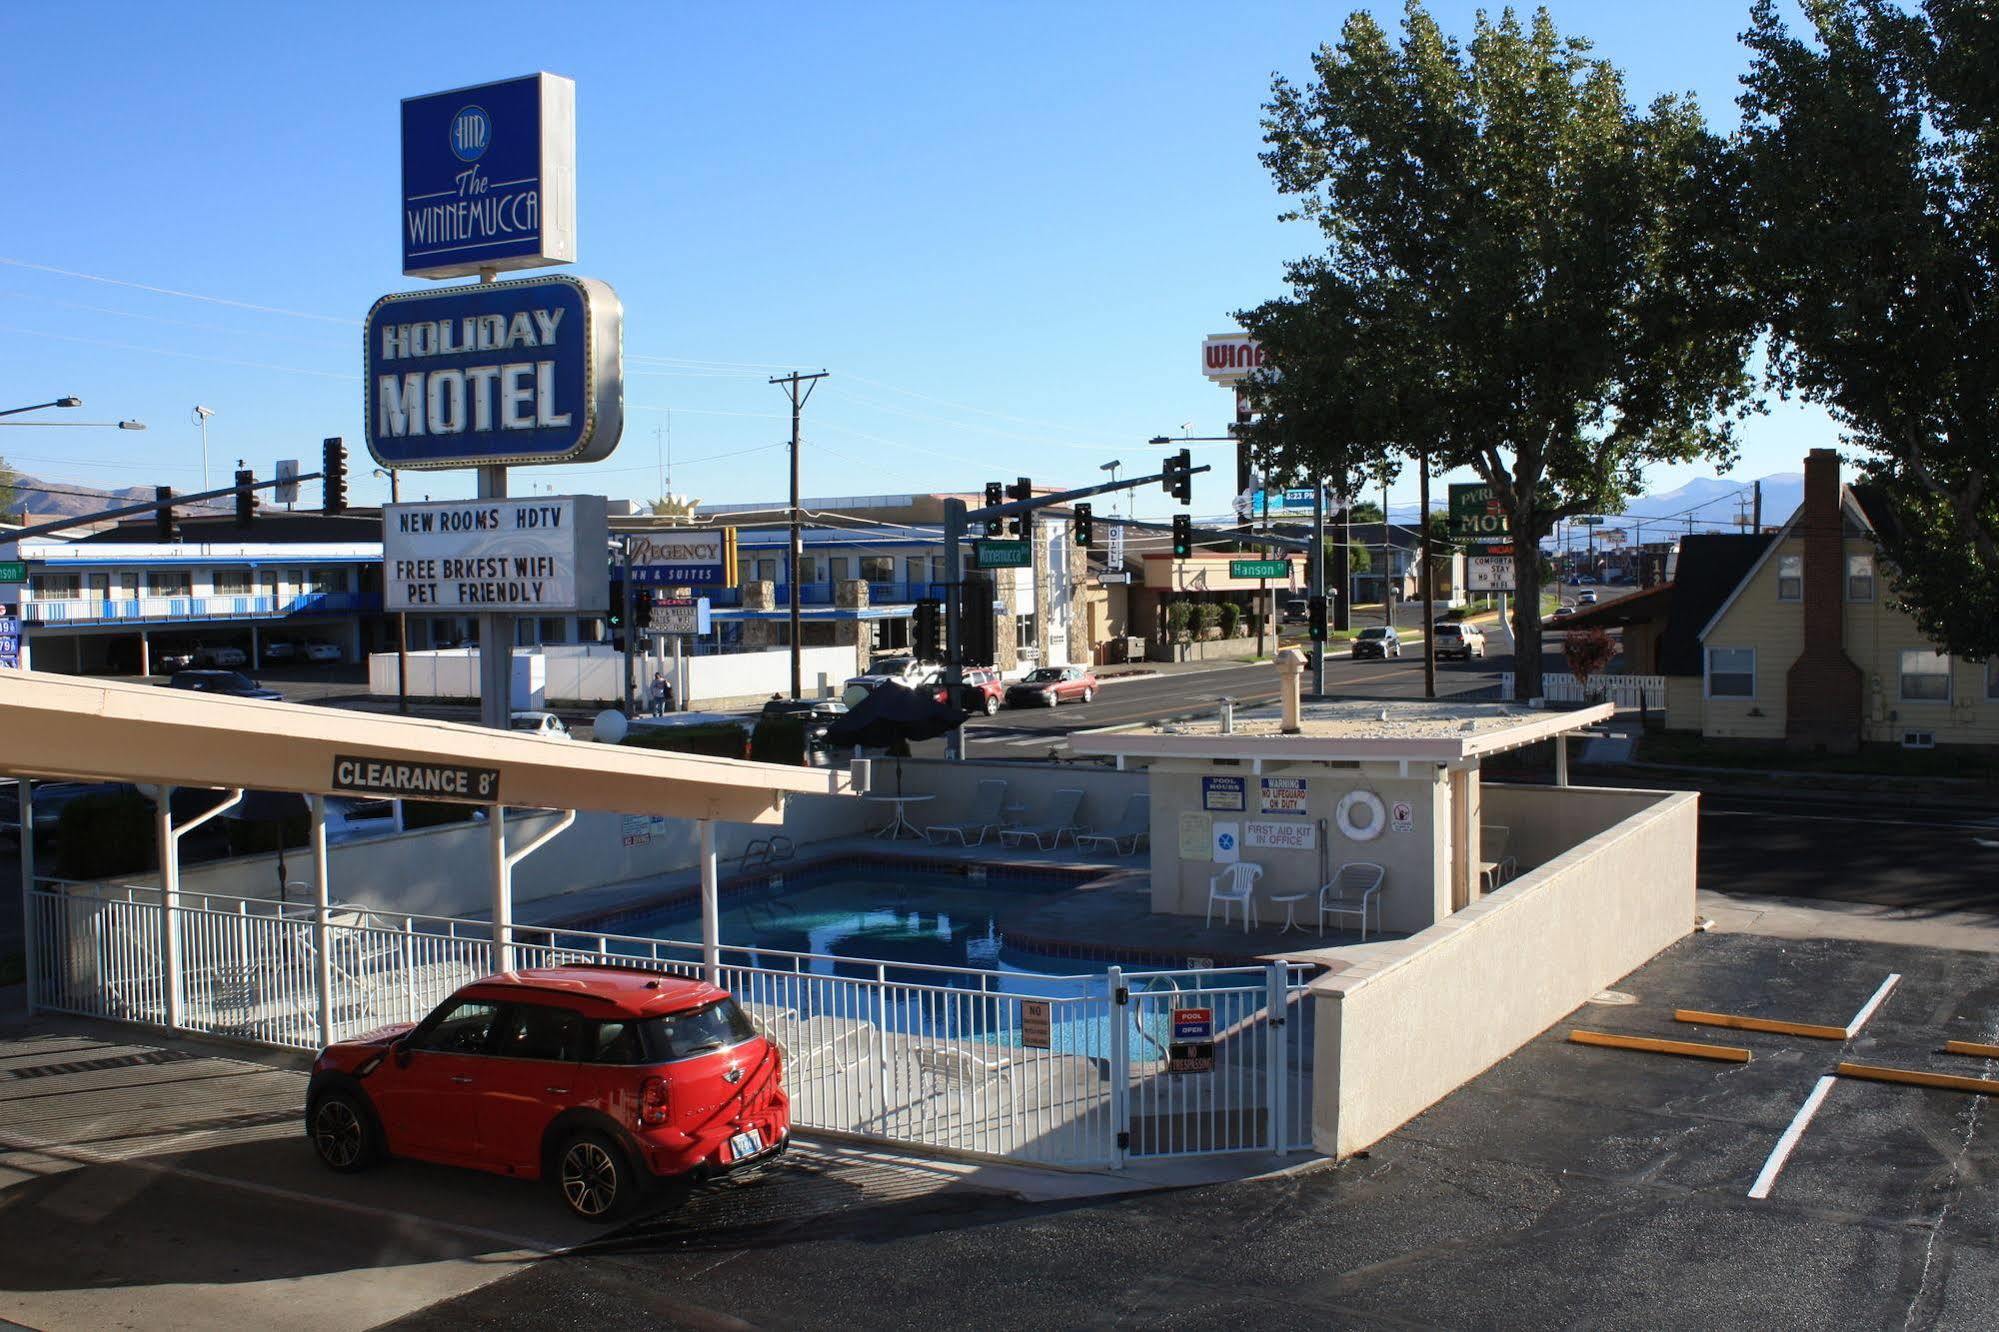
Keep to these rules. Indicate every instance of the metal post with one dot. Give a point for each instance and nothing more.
(402, 625)
(322, 923)
(496, 635)
(954, 608)
(1317, 574)
(711, 925)
(1275, 1015)
(26, 787)
(163, 826)
(1120, 1065)
(631, 630)
(1428, 575)
(503, 889)
(1561, 760)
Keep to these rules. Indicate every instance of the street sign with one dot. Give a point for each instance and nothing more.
(500, 373)
(1259, 568)
(696, 557)
(991, 554)
(1489, 573)
(502, 556)
(1478, 518)
(489, 177)
(1192, 1049)
(680, 615)
(416, 781)
(287, 488)
(13, 571)
(1591, 521)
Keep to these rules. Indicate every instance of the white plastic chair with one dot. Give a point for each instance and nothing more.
(1350, 892)
(988, 815)
(1135, 827)
(1495, 865)
(1058, 816)
(1242, 877)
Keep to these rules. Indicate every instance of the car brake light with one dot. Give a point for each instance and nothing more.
(652, 1102)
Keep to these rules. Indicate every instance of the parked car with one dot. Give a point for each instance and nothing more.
(228, 657)
(819, 713)
(51, 798)
(316, 650)
(1455, 639)
(983, 690)
(1377, 641)
(233, 683)
(178, 659)
(1587, 599)
(1047, 686)
(905, 671)
(544, 724)
(1563, 611)
(607, 1082)
(280, 649)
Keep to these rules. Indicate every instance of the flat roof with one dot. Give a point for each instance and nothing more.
(60, 726)
(1348, 732)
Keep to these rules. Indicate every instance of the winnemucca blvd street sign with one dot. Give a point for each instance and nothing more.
(1002, 554)
(502, 373)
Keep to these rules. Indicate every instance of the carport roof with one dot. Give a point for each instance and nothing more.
(1349, 732)
(64, 727)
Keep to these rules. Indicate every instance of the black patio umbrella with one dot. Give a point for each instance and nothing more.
(892, 713)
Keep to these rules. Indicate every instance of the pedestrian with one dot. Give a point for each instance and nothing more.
(661, 692)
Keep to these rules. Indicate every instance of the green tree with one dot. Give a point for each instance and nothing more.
(1523, 275)
(1366, 511)
(1359, 559)
(1870, 162)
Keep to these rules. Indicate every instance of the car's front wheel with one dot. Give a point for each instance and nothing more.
(1089, 694)
(992, 705)
(595, 1178)
(343, 1132)
(1052, 698)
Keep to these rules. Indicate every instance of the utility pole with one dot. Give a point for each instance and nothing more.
(1387, 559)
(1756, 523)
(1317, 569)
(793, 383)
(1429, 575)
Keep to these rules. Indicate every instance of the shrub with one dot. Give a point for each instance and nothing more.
(1231, 618)
(1207, 618)
(1179, 617)
(1587, 651)
(103, 835)
(720, 739)
(779, 740)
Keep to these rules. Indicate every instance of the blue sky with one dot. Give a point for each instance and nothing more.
(1004, 229)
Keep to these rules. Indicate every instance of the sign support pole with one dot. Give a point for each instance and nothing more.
(1318, 576)
(954, 604)
(496, 634)
(631, 630)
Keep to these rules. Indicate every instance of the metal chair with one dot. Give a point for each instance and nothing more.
(1242, 877)
(1355, 887)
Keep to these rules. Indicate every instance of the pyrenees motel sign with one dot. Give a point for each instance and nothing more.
(502, 556)
(489, 177)
(503, 373)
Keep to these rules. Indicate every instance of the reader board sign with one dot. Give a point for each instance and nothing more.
(1281, 795)
(1489, 573)
(497, 555)
(1036, 1025)
(1299, 836)
(489, 177)
(1192, 1049)
(1222, 793)
(704, 558)
(415, 781)
(504, 373)
(680, 615)
(10, 643)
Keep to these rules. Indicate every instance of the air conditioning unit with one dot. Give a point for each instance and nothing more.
(1919, 739)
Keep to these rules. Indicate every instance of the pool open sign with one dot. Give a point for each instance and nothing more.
(1192, 1049)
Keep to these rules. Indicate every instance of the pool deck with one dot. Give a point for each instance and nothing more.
(1109, 914)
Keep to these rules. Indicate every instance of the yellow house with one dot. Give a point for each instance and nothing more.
(1808, 648)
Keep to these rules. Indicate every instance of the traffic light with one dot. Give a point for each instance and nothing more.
(1086, 525)
(1183, 536)
(995, 496)
(1177, 477)
(976, 646)
(616, 617)
(1022, 489)
(1317, 630)
(927, 630)
(246, 503)
(163, 517)
(642, 598)
(333, 476)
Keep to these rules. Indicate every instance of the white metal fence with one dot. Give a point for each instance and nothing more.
(922, 1055)
(1626, 691)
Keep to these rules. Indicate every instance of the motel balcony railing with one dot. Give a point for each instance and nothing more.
(101, 610)
(821, 594)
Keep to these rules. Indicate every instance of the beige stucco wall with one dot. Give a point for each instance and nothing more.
(1421, 1016)
(954, 788)
(1416, 889)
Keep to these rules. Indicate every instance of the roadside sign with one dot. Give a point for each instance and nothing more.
(503, 555)
(287, 488)
(10, 643)
(1259, 568)
(991, 554)
(489, 177)
(694, 557)
(13, 571)
(680, 615)
(1489, 573)
(1192, 1049)
(1591, 520)
(1478, 518)
(416, 781)
(1036, 1026)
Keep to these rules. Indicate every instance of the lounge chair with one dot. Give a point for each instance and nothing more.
(988, 815)
(943, 1067)
(1058, 816)
(1135, 827)
(1495, 865)
(1241, 876)
(1350, 892)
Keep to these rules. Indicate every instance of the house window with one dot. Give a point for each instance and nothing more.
(1790, 578)
(1860, 578)
(1925, 676)
(232, 582)
(169, 583)
(1731, 672)
(878, 568)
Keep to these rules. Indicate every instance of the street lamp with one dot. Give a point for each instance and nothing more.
(100, 425)
(200, 416)
(68, 401)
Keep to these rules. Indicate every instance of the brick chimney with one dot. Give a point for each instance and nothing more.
(1823, 689)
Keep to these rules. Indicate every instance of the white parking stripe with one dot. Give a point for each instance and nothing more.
(1782, 1151)
(1860, 1018)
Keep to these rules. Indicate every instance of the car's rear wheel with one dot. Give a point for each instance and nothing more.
(992, 705)
(343, 1133)
(596, 1179)
(1089, 694)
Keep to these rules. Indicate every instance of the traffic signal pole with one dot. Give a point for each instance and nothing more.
(1317, 574)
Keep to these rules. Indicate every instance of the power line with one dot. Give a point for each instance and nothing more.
(170, 291)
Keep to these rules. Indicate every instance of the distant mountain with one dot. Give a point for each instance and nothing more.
(1713, 503)
(66, 499)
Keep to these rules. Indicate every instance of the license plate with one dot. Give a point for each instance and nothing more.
(745, 1144)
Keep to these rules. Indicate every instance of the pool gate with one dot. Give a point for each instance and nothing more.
(1093, 1069)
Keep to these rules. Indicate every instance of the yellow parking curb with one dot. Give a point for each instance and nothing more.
(1972, 1048)
(1740, 1023)
(1730, 1054)
(1918, 1078)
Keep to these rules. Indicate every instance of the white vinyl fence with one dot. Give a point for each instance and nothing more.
(916, 1055)
(1626, 691)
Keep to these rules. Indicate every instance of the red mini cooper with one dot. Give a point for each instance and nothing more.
(606, 1080)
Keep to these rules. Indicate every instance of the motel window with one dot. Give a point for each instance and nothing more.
(913, 573)
(936, 568)
(232, 582)
(1860, 578)
(554, 631)
(55, 587)
(878, 568)
(169, 583)
(1925, 676)
(767, 571)
(842, 567)
(1731, 672)
(808, 568)
(1790, 578)
(746, 571)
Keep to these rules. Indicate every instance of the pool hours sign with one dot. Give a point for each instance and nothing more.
(489, 177)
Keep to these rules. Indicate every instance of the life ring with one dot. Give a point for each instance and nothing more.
(1377, 816)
